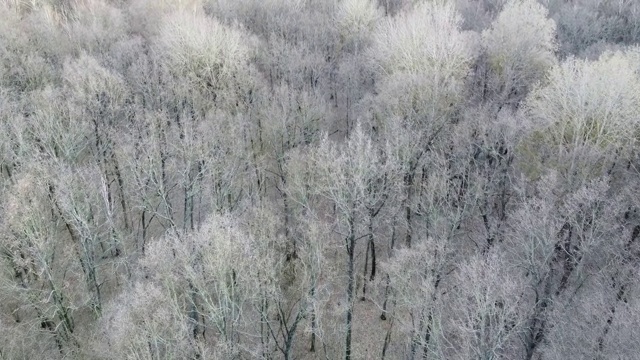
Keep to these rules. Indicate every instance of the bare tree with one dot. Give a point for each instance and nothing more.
(346, 174)
(519, 48)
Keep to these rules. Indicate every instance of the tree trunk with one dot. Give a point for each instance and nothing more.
(371, 249)
(351, 242)
(314, 322)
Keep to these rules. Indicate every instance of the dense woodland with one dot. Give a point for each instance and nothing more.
(319, 179)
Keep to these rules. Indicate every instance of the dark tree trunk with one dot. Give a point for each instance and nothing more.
(351, 242)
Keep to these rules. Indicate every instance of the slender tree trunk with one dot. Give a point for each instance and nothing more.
(408, 183)
(383, 316)
(371, 249)
(351, 242)
(373, 259)
(291, 240)
(187, 217)
(291, 332)
(427, 336)
(366, 270)
(387, 340)
(123, 200)
(144, 229)
(314, 322)
(264, 338)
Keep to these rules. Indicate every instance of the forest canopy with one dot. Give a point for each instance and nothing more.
(319, 179)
